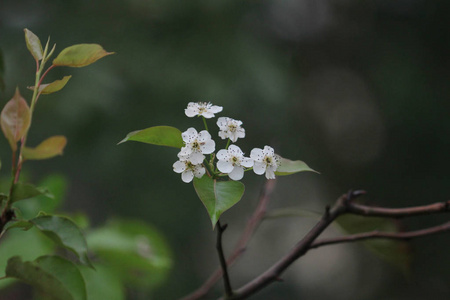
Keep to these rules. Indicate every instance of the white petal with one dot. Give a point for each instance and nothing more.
(259, 168)
(184, 153)
(196, 158)
(237, 173)
(247, 162)
(222, 122)
(199, 172)
(187, 176)
(207, 114)
(268, 150)
(222, 155)
(208, 147)
(257, 154)
(235, 150)
(225, 166)
(191, 112)
(223, 134)
(179, 166)
(216, 109)
(269, 173)
(204, 136)
(189, 135)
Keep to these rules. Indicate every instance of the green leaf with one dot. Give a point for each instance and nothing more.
(288, 167)
(49, 148)
(52, 275)
(47, 202)
(18, 242)
(158, 135)
(80, 55)
(23, 224)
(135, 251)
(33, 44)
(102, 283)
(395, 252)
(15, 119)
(53, 87)
(22, 191)
(218, 196)
(64, 232)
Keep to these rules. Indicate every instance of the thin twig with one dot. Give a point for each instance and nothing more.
(382, 235)
(241, 245)
(223, 262)
(360, 209)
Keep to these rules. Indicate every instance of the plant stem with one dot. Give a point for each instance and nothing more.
(223, 262)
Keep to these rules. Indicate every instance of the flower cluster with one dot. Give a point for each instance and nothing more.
(231, 160)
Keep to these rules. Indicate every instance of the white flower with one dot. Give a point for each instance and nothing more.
(205, 109)
(230, 128)
(265, 161)
(188, 170)
(196, 144)
(232, 162)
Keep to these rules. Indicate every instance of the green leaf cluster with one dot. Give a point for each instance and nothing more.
(127, 253)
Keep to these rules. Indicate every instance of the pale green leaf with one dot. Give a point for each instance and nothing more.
(134, 250)
(158, 135)
(103, 283)
(33, 44)
(22, 191)
(288, 167)
(15, 119)
(49, 148)
(218, 196)
(80, 55)
(53, 87)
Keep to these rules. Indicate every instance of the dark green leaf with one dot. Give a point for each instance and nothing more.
(218, 196)
(80, 55)
(52, 275)
(22, 191)
(18, 242)
(158, 135)
(136, 251)
(288, 167)
(64, 232)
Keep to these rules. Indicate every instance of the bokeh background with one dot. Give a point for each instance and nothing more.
(357, 89)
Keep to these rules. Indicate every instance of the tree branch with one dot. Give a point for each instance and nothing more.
(360, 209)
(344, 205)
(382, 235)
(241, 245)
(223, 262)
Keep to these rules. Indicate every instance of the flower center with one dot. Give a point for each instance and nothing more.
(234, 160)
(232, 127)
(268, 160)
(195, 145)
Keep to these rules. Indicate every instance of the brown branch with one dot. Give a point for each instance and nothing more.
(343, 205)
(241, 245)
(382, 235)
(274, 272)
(360, 209)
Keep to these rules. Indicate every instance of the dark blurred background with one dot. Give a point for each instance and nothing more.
(357, 89)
